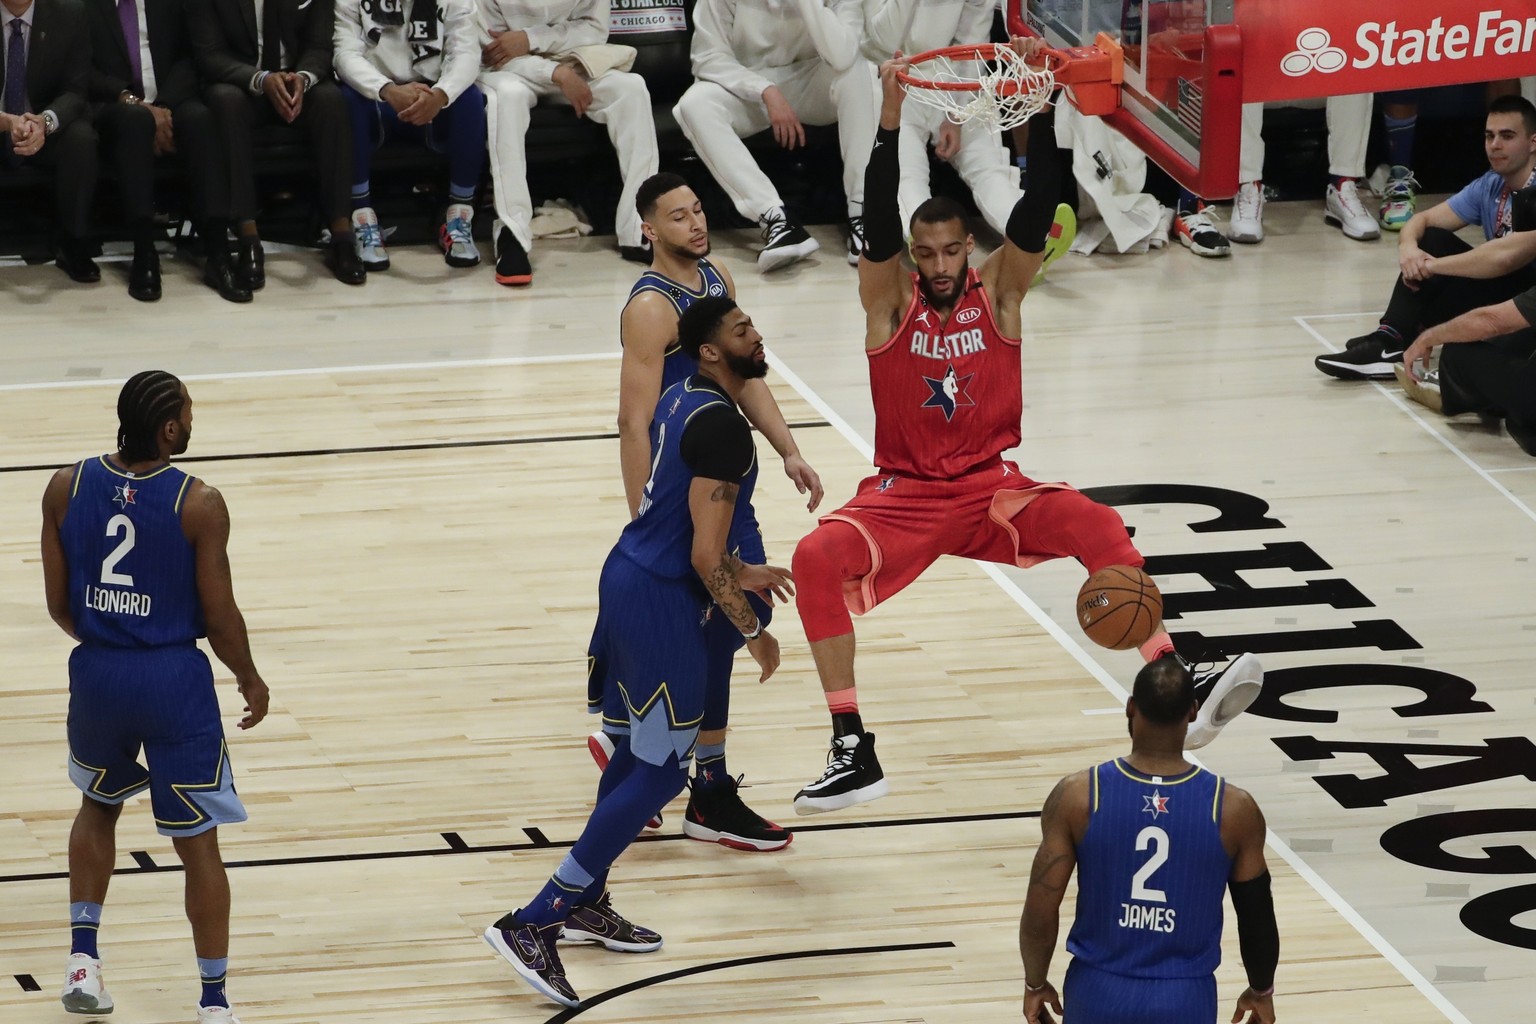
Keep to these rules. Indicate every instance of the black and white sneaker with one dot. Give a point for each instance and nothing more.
(1223, 694)
(784, 242)
(1366, 361)
(601, 924)
(719, 815)
(1197, 232)
(853, 776)
(531, 952)
(855, 240)
(512, 266)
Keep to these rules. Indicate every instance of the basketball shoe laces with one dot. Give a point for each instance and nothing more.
(775, 227)
(369, 234)
(1349, 198)
(1401, 190)
(839, 760)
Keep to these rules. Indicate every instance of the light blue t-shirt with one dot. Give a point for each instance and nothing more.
(1486, 204)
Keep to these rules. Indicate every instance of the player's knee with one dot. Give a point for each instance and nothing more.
(1103, 537)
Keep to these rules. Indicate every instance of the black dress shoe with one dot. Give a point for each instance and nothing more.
(251, 264)
(74, 262)
(341, 257)
(144, 277)
(221, 277)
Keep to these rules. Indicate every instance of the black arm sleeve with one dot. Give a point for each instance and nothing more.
(883, 234)
(717, 444)
(1258, 936)
(1032, 215)
(1525, 302)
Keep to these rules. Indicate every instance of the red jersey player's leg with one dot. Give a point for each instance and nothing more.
(860, 555)
(1064, 523)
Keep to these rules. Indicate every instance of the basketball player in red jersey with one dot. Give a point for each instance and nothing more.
(945, 375)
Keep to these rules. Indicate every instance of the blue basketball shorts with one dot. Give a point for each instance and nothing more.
(649, 659)
(1092, 996)
(160, 700)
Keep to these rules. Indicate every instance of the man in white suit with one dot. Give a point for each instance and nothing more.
(556, 48)
(779, 64)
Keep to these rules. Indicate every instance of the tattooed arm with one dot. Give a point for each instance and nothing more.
(1062, 824)
(712, 503)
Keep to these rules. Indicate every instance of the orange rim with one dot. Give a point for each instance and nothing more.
(976, 51)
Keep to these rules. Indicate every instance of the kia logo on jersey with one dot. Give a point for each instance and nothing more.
(967, 316)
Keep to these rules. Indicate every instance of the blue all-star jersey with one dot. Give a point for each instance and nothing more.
(1152, 872)
(678, 365)
(132, 571)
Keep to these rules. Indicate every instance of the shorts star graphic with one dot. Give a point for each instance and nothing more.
(949, 392)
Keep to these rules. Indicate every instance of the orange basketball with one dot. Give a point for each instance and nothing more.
(1119, 607)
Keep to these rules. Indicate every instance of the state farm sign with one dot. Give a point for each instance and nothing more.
(1295, 50)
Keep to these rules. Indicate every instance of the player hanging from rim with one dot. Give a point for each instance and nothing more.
(945, 376)
(679, 275)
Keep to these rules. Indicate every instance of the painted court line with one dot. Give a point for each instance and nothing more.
(1071, 646)
(1406, 407)
(310, 371)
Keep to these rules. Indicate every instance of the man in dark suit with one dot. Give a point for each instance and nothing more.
(143, 88)
(269, 62)
(46, 59)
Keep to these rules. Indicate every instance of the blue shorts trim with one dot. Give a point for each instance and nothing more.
(160, 701)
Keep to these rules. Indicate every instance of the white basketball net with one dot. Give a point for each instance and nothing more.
(1008, 93)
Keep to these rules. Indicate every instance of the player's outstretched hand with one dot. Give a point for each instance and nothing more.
(767, 581)
(764, 651)
(893, 92)
(1037, 999)
(806, 480)
(1260, 1009)
(1028, 47)
(256, 698)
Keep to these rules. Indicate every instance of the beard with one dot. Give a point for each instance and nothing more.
(746, 367)
(683, 252)
(181, 446)
(940, 301)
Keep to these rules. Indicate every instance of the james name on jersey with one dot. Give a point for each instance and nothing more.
(1152, 919)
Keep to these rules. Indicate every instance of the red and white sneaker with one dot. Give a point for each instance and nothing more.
(84, 989)
(601, 749)
(216, 1015)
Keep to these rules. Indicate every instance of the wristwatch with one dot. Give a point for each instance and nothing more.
(129, 98)
(50, 122)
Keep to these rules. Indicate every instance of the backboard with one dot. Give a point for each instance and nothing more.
(1181, 100)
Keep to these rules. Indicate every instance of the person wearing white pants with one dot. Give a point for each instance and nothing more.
(1349, 129)
(779, 64)
(977, 152)
(539, 49)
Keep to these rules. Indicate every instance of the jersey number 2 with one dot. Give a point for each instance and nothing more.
(109, 574)
(1157, 839)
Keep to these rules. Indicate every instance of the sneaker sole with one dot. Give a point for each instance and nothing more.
(493, 939)
(597, 746)
(514, 279)
(1202, 250)
(575, 937)
(375, 268)
(1246, 239)
(1235, 693)
(1356, 371)
(83, 1002)
(1338, 222)
(822, 804)
(461, 262)
(786, 255)
(1426, 396)
(732, 841)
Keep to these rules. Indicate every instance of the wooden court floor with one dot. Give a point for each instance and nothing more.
(416, 542)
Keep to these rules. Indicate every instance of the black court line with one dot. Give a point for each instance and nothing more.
(144, 860)
(424, 446)
(27, 983)
(725, 965)
(537, 841)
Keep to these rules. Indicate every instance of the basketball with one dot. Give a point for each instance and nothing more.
(1119, 607)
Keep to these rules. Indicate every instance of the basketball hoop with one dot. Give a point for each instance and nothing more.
(987, 82)
(992, 84)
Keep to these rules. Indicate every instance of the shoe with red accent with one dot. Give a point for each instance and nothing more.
(512, 266)
(718, 815)
(84, 989)
(600, 746)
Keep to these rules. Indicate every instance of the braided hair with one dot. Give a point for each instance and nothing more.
(145, 404)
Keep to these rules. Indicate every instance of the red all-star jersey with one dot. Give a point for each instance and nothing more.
(948, 397)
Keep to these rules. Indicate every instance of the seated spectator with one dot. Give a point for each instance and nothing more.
(143, 87)
(779, 64)
(272, 66)
(1486, 364)
(404, 72)
(545, 49)
(1349, 128)
(46, 50)
(913, 26)
(1442, 276)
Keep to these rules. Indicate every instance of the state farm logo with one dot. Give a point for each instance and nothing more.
(967, 316)
(1394, 44)
(1314, 52)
